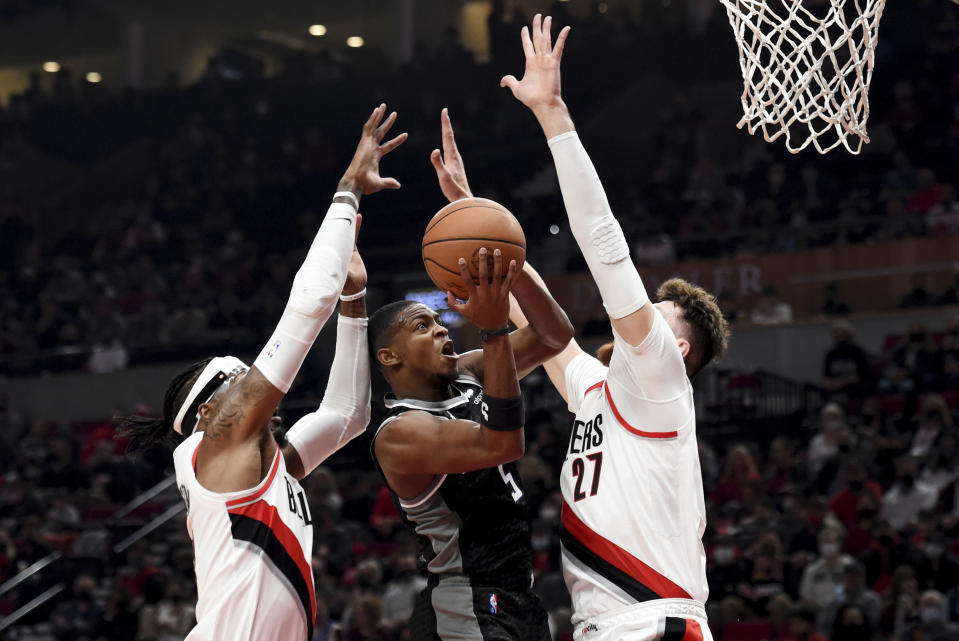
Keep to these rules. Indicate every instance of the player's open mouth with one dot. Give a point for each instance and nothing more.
(448, 349)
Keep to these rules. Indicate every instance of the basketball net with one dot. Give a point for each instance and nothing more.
(806, 76)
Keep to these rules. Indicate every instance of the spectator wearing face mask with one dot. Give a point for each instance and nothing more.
(727, 568)
(833, 434)
(822, 578)
(844, 505)
(846, 367)
(852, 592)
(904, 500)
(802, 626)
(852, 624)
(917, 358)
(861, 535)
(933, 624)
(937, 570)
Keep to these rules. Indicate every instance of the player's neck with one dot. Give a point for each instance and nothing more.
(421, 389)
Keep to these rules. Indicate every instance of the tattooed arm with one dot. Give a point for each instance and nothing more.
(240, 410)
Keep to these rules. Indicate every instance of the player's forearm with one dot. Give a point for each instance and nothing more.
(345, 410)
(597, 232)
(316, 289)
(499, 368)
(542, 312)
(501, 436)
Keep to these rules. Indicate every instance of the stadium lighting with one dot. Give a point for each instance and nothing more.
(93, 77)
(317, 30)
(354, 41)
(51, 66)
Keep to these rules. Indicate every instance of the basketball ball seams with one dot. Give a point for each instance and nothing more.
(434, 223)
(428, 261)
(468, 203)
(492, 240)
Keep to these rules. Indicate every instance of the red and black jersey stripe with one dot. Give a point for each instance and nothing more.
(677, 629)
(259, 524)
(615, 564)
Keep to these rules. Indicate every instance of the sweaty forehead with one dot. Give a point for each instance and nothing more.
(415, 311)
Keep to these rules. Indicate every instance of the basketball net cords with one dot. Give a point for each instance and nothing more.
(805, 81)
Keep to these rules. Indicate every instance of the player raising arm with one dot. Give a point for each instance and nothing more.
(246, 514)
(633, 513)
(454, 428)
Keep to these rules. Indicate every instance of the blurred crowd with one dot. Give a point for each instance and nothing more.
(139, 227)
(844, 527)
(135, 226)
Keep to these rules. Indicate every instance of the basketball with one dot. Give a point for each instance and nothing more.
(460, 230)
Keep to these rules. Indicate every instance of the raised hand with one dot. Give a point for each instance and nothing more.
(449, 164)
(488, 304)
(363, 174)
(540, 86)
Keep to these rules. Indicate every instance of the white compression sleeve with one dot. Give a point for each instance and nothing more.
(596, 230)
(316, 288)
(345, 409)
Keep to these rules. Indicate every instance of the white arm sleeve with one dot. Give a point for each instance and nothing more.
(345, 409)
(316, 288)
(583, 372)
(648, 382)
(596, 230)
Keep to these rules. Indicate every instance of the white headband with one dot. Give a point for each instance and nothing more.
(217, 372)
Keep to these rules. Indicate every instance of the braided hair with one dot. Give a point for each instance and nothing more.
(144, 431)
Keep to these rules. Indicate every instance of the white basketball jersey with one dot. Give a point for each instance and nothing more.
(251, 552)
(633, 513)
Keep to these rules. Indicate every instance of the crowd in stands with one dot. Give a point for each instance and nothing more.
(137, 225)
(194, 205)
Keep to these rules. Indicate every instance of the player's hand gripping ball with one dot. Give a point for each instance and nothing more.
(459, 230)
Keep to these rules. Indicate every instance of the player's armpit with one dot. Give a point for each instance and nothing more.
(421, 443)
(294, 466)
(242, 411)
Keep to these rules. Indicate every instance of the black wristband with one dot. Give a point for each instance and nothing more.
(503, 414)
(486, 334)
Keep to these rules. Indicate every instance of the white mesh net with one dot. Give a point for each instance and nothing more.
(807, 71)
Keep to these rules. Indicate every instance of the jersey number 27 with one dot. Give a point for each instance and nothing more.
(579, 471)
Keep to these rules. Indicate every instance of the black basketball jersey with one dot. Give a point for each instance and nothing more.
(475, 523)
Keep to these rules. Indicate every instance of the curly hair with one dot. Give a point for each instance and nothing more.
(708, 333)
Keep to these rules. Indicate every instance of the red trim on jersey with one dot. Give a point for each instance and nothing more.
(592, 387)
(195, 452)
(630, 428)
(266, 485)
(620, 558)
(267, 515)
(693, 631)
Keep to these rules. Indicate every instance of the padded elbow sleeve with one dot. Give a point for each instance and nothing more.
(597, 232)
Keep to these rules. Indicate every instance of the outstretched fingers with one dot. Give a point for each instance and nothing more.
(394, 143)
(374, 120)
(382, 130)
(449, 141)
(560, 43)
(547, 35)
(527, 44)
